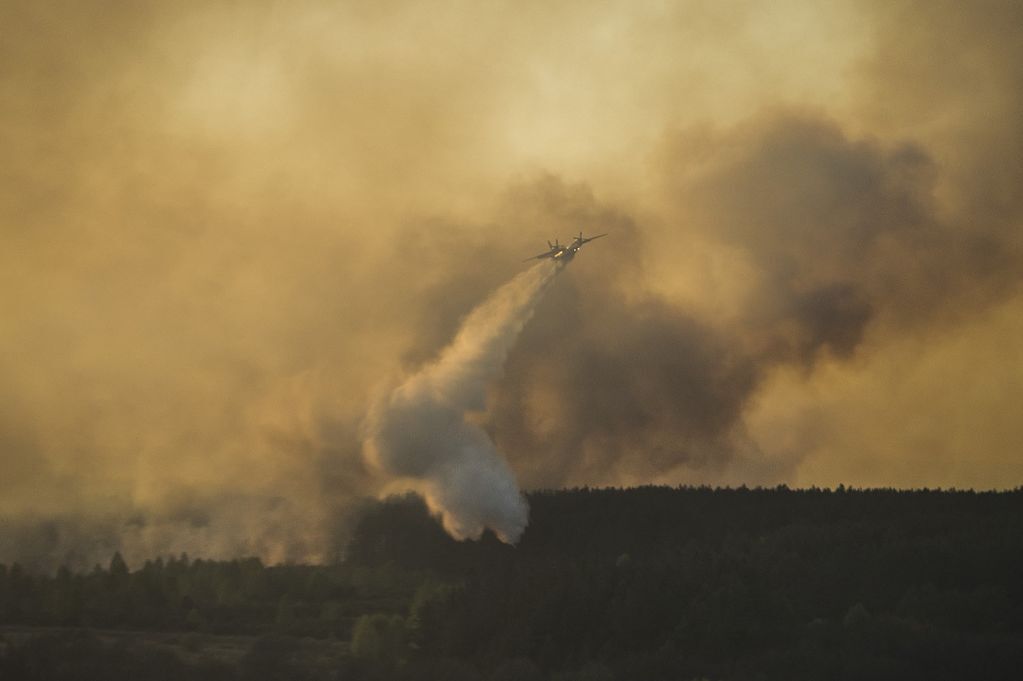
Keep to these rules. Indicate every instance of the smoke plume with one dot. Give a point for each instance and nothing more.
(222, 223)
(420, 432)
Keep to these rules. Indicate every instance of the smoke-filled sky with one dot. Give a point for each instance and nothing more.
(224, 226)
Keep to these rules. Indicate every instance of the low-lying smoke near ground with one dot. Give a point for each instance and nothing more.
(420, 435)
(225, 226)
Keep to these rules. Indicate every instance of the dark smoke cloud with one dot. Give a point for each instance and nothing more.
(614, 390)
(843, 236)
(835, 231)
(820, 214)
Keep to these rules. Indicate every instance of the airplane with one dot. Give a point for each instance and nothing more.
(555, 250)
(564, 253)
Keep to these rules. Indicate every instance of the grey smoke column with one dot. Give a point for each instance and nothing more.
(419, 433)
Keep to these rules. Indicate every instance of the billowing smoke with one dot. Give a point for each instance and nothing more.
(421, 434)
(817, 229)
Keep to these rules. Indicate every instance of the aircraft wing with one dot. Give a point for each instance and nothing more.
(591, 238)
(546, 254)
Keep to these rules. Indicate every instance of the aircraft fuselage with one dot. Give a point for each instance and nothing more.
(564, 253)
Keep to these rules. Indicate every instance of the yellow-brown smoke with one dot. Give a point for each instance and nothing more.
(222, 223)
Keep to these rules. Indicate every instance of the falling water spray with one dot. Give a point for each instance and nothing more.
(419, 433)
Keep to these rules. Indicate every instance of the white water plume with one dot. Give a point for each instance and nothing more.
(419, 433)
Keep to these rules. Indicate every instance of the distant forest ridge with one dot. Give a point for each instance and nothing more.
(642, 583)
(630, 517)
(651, 519)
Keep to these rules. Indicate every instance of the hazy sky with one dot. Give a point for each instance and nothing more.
(226, 226)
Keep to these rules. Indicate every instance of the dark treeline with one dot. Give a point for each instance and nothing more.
(222, 597)
(646, 584)
(683, 583)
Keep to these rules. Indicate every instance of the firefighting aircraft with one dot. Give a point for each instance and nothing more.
(562, 252)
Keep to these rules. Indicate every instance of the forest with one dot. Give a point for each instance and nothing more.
(649, 583)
